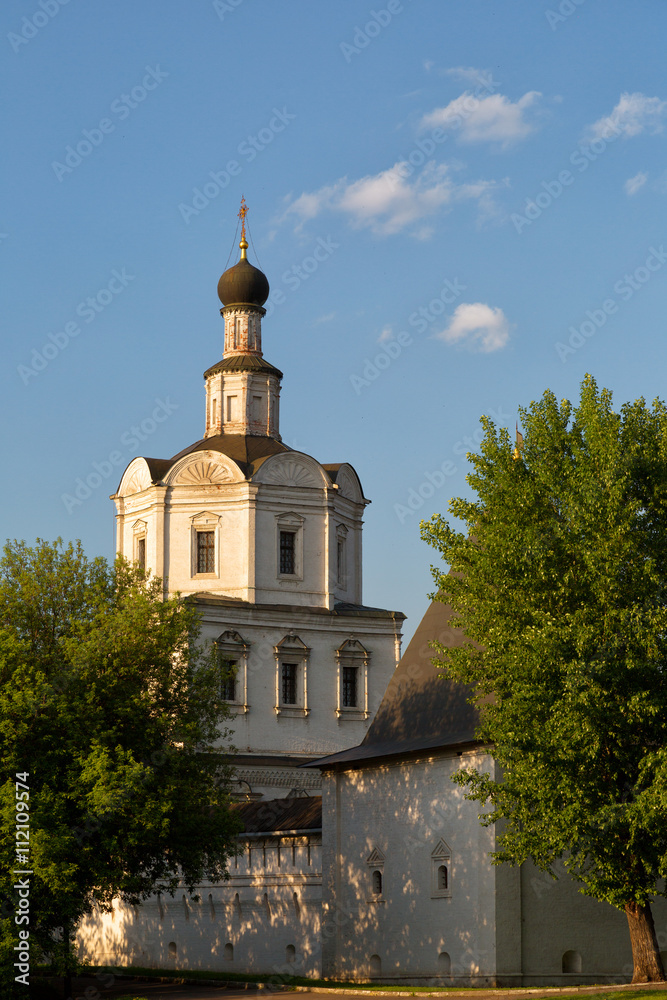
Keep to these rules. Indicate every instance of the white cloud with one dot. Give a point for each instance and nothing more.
(479, 326)
(633, 184)
(393, 200)
(387, 334)
(485, 119)
(481, 78)
(632, 114)
(327, 318)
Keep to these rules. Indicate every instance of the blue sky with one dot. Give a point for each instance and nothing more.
(457, 205)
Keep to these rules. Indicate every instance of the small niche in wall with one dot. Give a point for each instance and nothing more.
(376, 965)
(229, 952)
(290, 953)
(172, 949)
(444, 963)
(571, 961)
(211, 905)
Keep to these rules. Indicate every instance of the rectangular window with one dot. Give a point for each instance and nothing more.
(141, 553)
(228, 679)
(341, 563)
(231, 407)
(349, 687)
(287, 552)
(206, 552)
(256, 408)
(288, 671)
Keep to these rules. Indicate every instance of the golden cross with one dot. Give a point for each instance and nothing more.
(243, 211)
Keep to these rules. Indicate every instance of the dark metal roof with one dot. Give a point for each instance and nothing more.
(243, 284)
(281, 815)
(248, 451)
(346, 610)
(422, 709)
(243, 363)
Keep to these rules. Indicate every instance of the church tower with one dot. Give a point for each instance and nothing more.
(269, 543)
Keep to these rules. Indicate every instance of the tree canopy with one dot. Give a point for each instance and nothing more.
(559, 581)
(110, 713)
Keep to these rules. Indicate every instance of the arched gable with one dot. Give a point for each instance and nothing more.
(203, 468)
(348, 483)
(136, 478)
(292, 469)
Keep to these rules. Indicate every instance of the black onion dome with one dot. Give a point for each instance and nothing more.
(243, 284)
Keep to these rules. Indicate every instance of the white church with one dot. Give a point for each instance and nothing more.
(360, 859)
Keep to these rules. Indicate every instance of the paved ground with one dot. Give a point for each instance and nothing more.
(187, 991)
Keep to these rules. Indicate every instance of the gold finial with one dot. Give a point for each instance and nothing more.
(519, 444)
(243, 211)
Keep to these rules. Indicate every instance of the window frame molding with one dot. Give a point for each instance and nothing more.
(375, 862)
(342, 575)
(205, 521)
(139, 532)
(230, 643)
(294, 523)
(292, 649)
(441, 855)
(353, 653)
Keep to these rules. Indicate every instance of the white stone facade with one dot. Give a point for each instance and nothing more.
(490, 925)
(266, 918)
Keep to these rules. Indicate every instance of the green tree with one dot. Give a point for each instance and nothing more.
(109, 713)
(560, 583)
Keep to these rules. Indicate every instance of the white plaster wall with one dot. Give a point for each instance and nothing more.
(403, 810)
(247, 540)
(256, 912)
(320, 732)
(556, 918)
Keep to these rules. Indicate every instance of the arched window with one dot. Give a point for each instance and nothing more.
(290, 953)
(376, 965)
(172, 949)
(377, 882)
(571, 961)
(441, 860)
(229, 952)
(444, 963)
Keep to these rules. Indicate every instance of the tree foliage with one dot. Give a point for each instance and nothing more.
(560, 583)
(115, 711)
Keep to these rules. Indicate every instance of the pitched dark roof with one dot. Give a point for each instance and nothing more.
(281, 815)
(243, 363)
(421, 709)
(248, 451)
